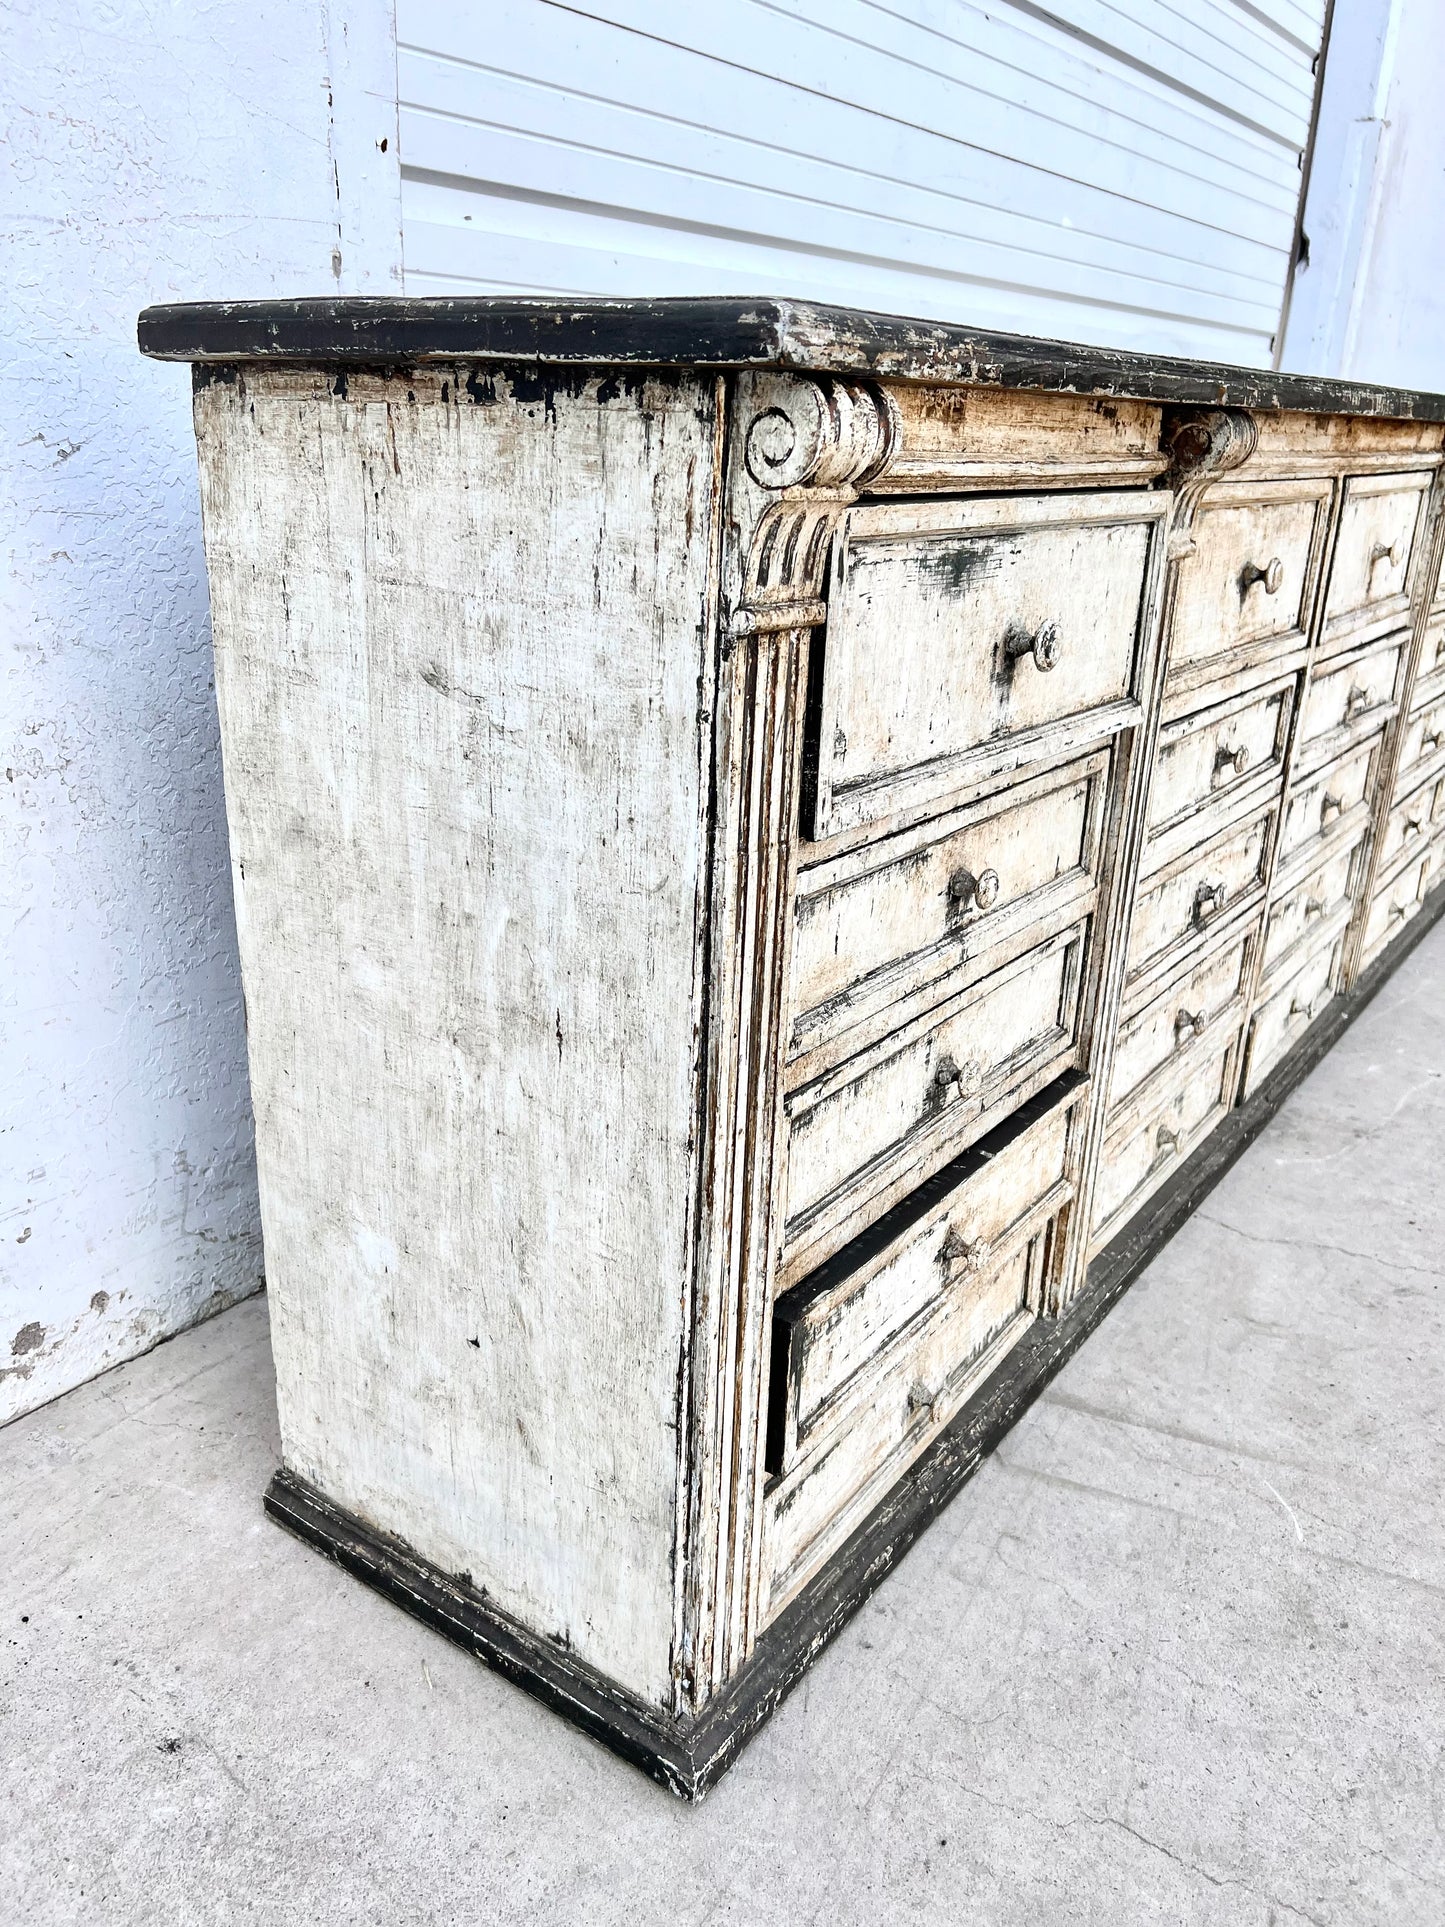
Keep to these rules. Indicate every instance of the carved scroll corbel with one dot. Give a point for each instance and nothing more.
(811, 444)
(1203, 445)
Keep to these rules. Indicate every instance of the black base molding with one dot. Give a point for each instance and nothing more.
(689, 1757)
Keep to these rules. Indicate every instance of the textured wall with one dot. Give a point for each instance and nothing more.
(1370, 300)
(155, 151)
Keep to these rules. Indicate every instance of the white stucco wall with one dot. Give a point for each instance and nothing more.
(1370, 303)
(155, 152)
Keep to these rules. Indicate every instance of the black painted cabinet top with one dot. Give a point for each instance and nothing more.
(388, 331)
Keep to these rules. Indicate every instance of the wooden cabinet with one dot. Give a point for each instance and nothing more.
(772, 848)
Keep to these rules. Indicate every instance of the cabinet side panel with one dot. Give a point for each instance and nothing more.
(459, 644)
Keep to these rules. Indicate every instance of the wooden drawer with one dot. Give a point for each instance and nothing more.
(1306, 906)
(1180, 901)
(1206, 756)
(845, 1320)
(1380, 518)
(1398, 901)
(1430, 676)
(1412, 823)
(966, 638)
(812, 1510)
(1178, 1017)
(896, 925)
(1148, 1142)
(863, 1135)
(1345, 696)
(1289, 1011)
(1249, 583)
(1423, 742)
(1321, 805)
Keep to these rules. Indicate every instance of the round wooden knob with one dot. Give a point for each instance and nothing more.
(1042, 644)
(951, 1081)
(1269, 575)
(981, 891)
(1235, 759)
(1046, 646)
(1187, 1024)
(921, 1399)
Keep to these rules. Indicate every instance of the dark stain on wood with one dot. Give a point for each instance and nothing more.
(806, 337)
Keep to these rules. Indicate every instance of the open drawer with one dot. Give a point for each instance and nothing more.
(872, 1362)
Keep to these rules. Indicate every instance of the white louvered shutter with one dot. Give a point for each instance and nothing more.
(1124, 172)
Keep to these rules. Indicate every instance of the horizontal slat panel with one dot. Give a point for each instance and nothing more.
(1023, 61)
(1252, 77)
(816, 153)
(1211, 47)
(1005, 168)
(1116, 276)
(517, 244)
(875, 116)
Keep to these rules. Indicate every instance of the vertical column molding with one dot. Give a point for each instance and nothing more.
(797, 452)
(1202, 446)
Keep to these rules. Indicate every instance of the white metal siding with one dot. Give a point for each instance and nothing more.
(1117, 171)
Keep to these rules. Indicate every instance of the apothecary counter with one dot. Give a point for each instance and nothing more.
(778, 852)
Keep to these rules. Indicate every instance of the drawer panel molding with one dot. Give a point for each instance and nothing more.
(839, 1327)
(971, 638)
(899, 923)
(868, 1132)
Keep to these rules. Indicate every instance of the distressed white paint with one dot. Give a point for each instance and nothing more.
(1123, 174)
(152, 152)
(518, 891)
(461, 652)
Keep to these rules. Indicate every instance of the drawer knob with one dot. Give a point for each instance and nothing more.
(967, 1255)
(1043, 644)
(1413, 825)
(1166, 1144)
(1397, 910)
(1209, 900)
(1186, 1026)
(920, 1399)
(1307, 1011)
(1358, 701)
(1432, 739)
(1226, 758)
(1313, 908)
(1331, 805)
(951, 1081)
(1384, 552)
(980, 891)
(1271, 575)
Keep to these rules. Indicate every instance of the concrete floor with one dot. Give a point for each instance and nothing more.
(1175, 1655)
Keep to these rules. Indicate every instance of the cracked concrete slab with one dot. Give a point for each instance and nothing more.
(1176, 1655)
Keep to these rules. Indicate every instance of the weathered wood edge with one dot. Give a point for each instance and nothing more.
(639, 1733)
(387, 331)
(689, 1758)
